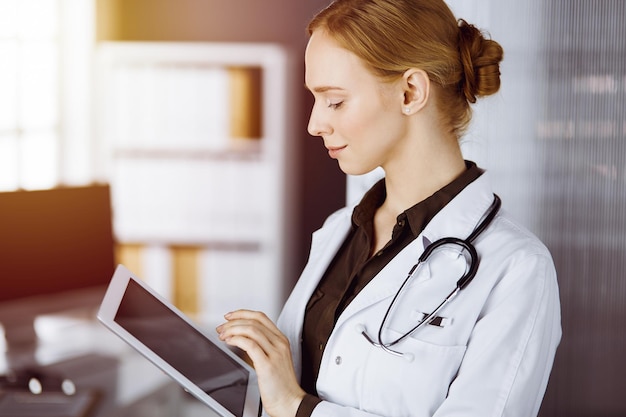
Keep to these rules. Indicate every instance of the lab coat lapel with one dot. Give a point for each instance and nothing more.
(324, 245)
(386, 283)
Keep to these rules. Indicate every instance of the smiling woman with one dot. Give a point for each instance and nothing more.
(392, 82)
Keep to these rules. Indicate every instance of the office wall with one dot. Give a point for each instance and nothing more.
(321, 185)
(554, 138)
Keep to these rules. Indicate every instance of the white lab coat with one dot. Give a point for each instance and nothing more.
(493, 355)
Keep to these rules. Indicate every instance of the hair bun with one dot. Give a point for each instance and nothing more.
(480, 58)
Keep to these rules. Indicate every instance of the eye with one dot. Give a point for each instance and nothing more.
(334, 104)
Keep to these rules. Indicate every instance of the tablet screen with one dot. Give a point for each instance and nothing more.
(183, 347)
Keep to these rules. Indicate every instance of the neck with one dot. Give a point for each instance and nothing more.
(414, 178)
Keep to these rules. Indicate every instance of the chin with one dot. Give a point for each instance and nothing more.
(354, 169)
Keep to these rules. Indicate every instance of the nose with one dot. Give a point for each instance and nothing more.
(317, 126)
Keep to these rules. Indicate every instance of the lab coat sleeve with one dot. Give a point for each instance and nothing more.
(328, 409)
(509, 356)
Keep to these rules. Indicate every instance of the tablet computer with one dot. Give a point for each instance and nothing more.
(202, 364)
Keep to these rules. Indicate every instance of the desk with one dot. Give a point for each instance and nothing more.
(82, 350)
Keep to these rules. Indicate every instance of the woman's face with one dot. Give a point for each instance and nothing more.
(359, 117)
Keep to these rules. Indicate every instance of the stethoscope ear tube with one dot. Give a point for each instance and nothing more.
(491, 214)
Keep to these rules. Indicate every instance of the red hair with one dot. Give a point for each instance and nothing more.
(391, 36)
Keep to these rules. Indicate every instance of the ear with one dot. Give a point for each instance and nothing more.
(416, 86)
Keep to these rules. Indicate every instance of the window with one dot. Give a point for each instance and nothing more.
(43, 45)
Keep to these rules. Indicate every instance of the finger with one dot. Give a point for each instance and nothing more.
(251, 347)
(257, 332)
(272, 342)
(251, 319)
(253, 315)
(247, 328)
(267, 358)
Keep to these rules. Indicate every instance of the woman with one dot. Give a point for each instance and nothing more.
(392, 82)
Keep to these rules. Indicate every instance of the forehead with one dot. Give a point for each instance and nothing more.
(329, 65)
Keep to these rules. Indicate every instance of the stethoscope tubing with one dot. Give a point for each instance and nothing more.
(467, 277)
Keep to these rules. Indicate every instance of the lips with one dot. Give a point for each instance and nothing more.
(334, 151)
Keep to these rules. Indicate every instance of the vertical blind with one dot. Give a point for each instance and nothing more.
(554, 141)
(581, 132)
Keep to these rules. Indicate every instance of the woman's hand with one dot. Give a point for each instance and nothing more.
(268, 348)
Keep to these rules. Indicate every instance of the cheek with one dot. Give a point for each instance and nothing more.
(354, 125)
(367, 118)
(378, 126)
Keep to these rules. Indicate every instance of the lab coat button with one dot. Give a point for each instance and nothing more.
(338, 360)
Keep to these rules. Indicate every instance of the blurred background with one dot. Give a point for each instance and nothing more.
(194, 113)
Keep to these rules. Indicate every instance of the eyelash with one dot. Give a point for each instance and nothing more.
(335, 106)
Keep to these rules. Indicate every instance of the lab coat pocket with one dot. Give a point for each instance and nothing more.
(414, 384)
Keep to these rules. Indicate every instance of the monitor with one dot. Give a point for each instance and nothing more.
(56, 254)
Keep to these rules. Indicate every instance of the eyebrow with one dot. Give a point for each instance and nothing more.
(323, 89)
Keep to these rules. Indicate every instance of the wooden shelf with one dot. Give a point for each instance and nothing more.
(243, 150)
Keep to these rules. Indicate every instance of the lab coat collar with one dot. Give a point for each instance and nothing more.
(461, 216)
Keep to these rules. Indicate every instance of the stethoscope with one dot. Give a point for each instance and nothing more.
(470, 272)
